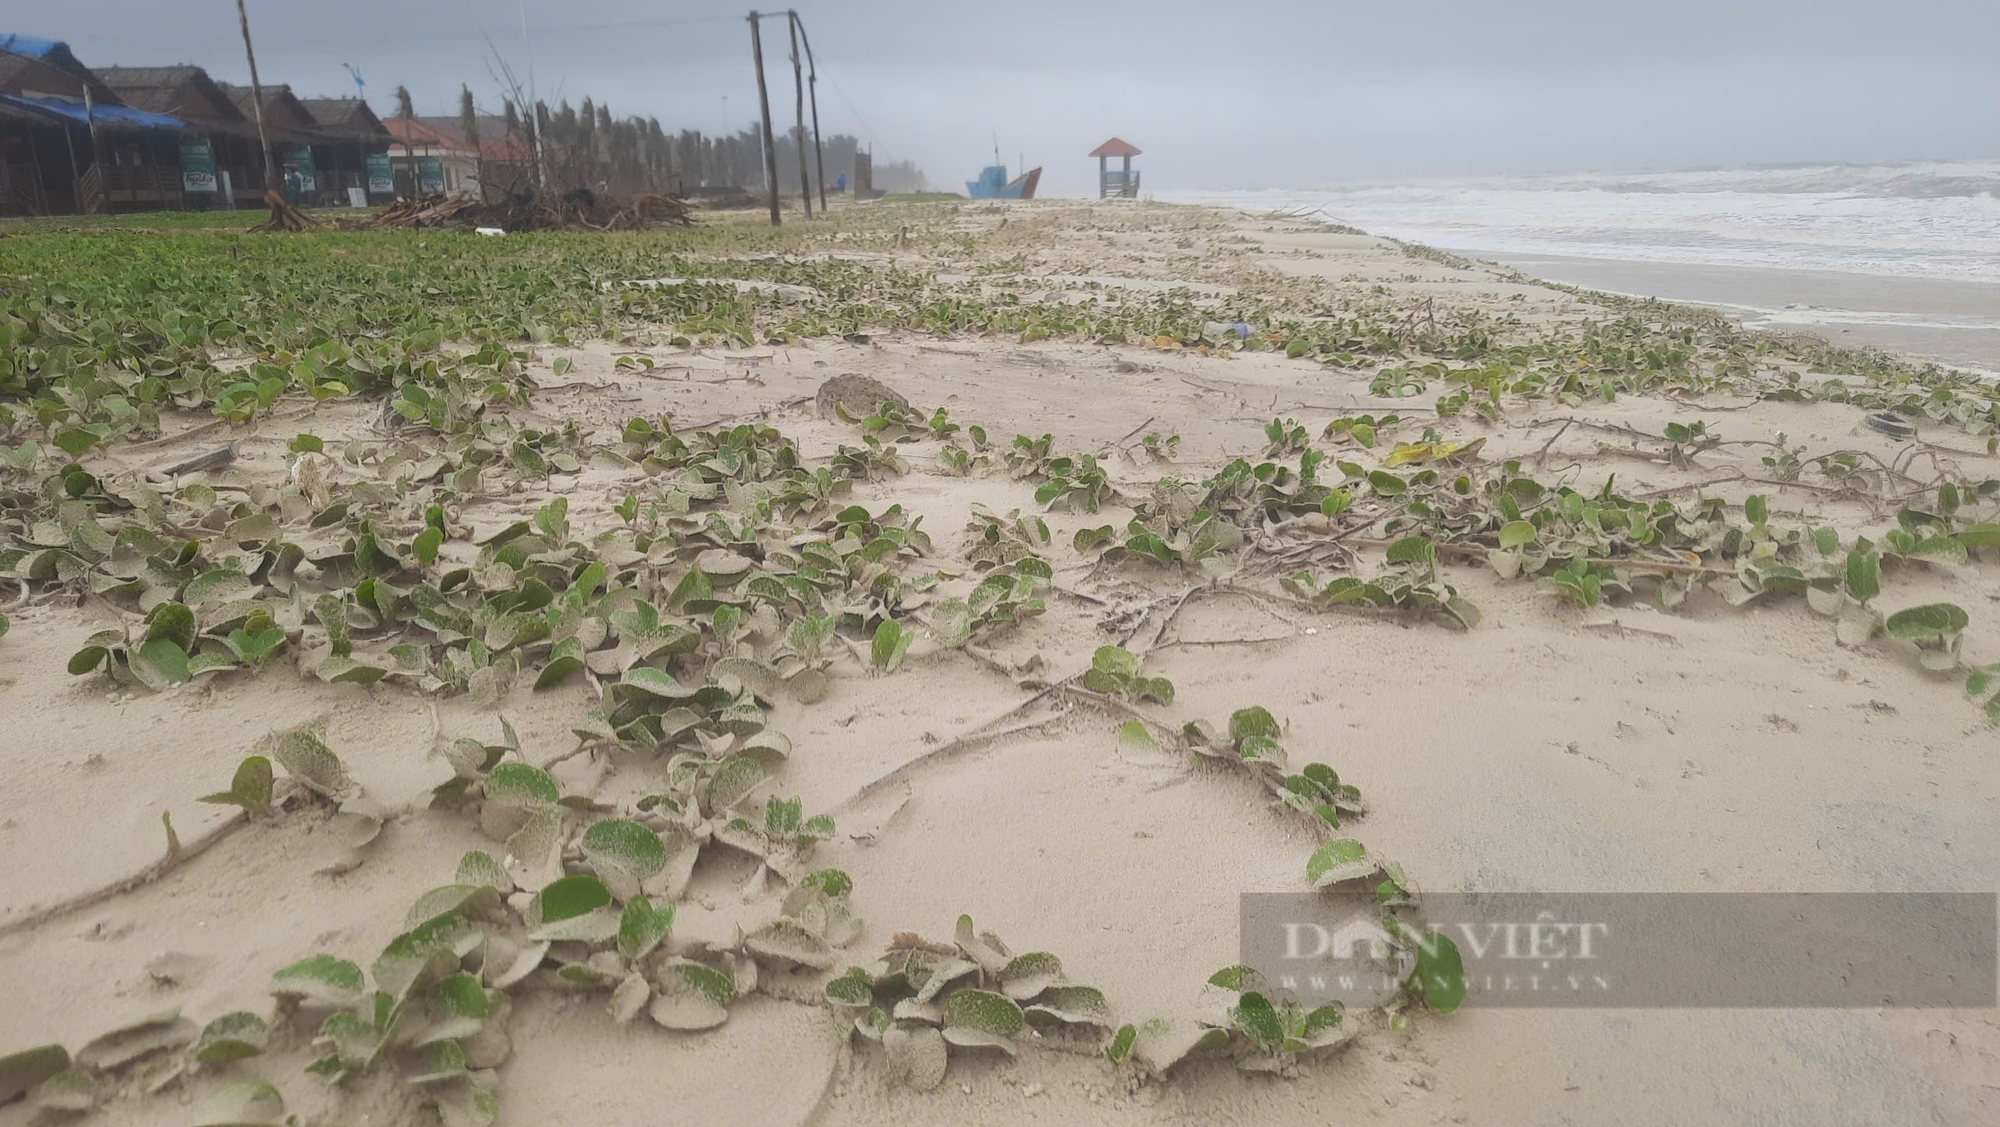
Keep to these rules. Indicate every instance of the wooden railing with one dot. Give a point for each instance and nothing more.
(90, 191)
(25, 190)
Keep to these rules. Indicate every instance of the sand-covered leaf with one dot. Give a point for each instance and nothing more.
(305, 757)
(623, 853)
(968, 1038)
(788, 941)
(474, 901)
(628, 998)
(1160, 1043)
(64, 1092)
(915, 1056)
(655, 683)
(152, 1034)
(983, 1010)
(732, 781)
(851, 989)
(521, 786)
(472, 1100)
(478, 867)
(1343, 859)
(1072, 1005)
(430, 950)
(233, 1036)
(241, 1102)
(691, 997)
(1027, 975)
(984, 948)
(320, 980)
(940, 975)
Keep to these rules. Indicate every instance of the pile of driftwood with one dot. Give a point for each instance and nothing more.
(578, 210)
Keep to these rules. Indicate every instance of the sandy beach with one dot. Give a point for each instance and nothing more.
(1623, 747)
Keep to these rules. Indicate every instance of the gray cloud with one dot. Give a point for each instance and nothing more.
(1219, 95)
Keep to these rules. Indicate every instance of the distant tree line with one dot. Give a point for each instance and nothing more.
(584, 145)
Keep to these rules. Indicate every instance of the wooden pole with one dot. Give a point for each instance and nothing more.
(41, 184)
(764, 101)
(812, 89)
(256, 93)
(799, 89)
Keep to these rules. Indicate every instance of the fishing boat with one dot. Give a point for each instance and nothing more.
(994, 185)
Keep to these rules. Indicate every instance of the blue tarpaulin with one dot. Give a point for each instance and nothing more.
(124, 117)
(29, 45)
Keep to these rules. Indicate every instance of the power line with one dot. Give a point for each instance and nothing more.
(874, 142)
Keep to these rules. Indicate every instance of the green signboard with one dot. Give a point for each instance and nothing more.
(430, 175)
(302, 158)
(381, 175)
(198, 166)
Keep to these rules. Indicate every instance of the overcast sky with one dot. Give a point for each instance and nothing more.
(1219, 95)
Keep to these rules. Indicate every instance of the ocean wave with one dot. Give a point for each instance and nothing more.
(1938, 219)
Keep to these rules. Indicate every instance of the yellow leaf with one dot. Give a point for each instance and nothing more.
(1165, 341)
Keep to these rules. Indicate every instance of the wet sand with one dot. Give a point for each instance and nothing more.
(1956, 323)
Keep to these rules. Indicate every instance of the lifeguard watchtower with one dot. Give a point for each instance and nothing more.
(1120, 185)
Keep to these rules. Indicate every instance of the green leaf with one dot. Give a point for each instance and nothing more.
(250, 789)
(1513, 534)
(1440, 973)
(1120, 1049)
(1923, 623)
(1863, 574)
(1982, 535)
(1756, 509)
(88, 659)
(174, 623)
(642, 928)
(889, 645)
(425, 546)
(1253, 721)
(1135, 739)
(1115, 660)
(569, 897)
(1257, 1020)
(75, 441)
(21, 1072)
(167, 657)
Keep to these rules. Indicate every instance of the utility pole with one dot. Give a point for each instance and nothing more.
(812, 85)
(763, 100)
(799, 88)
(256, 96)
